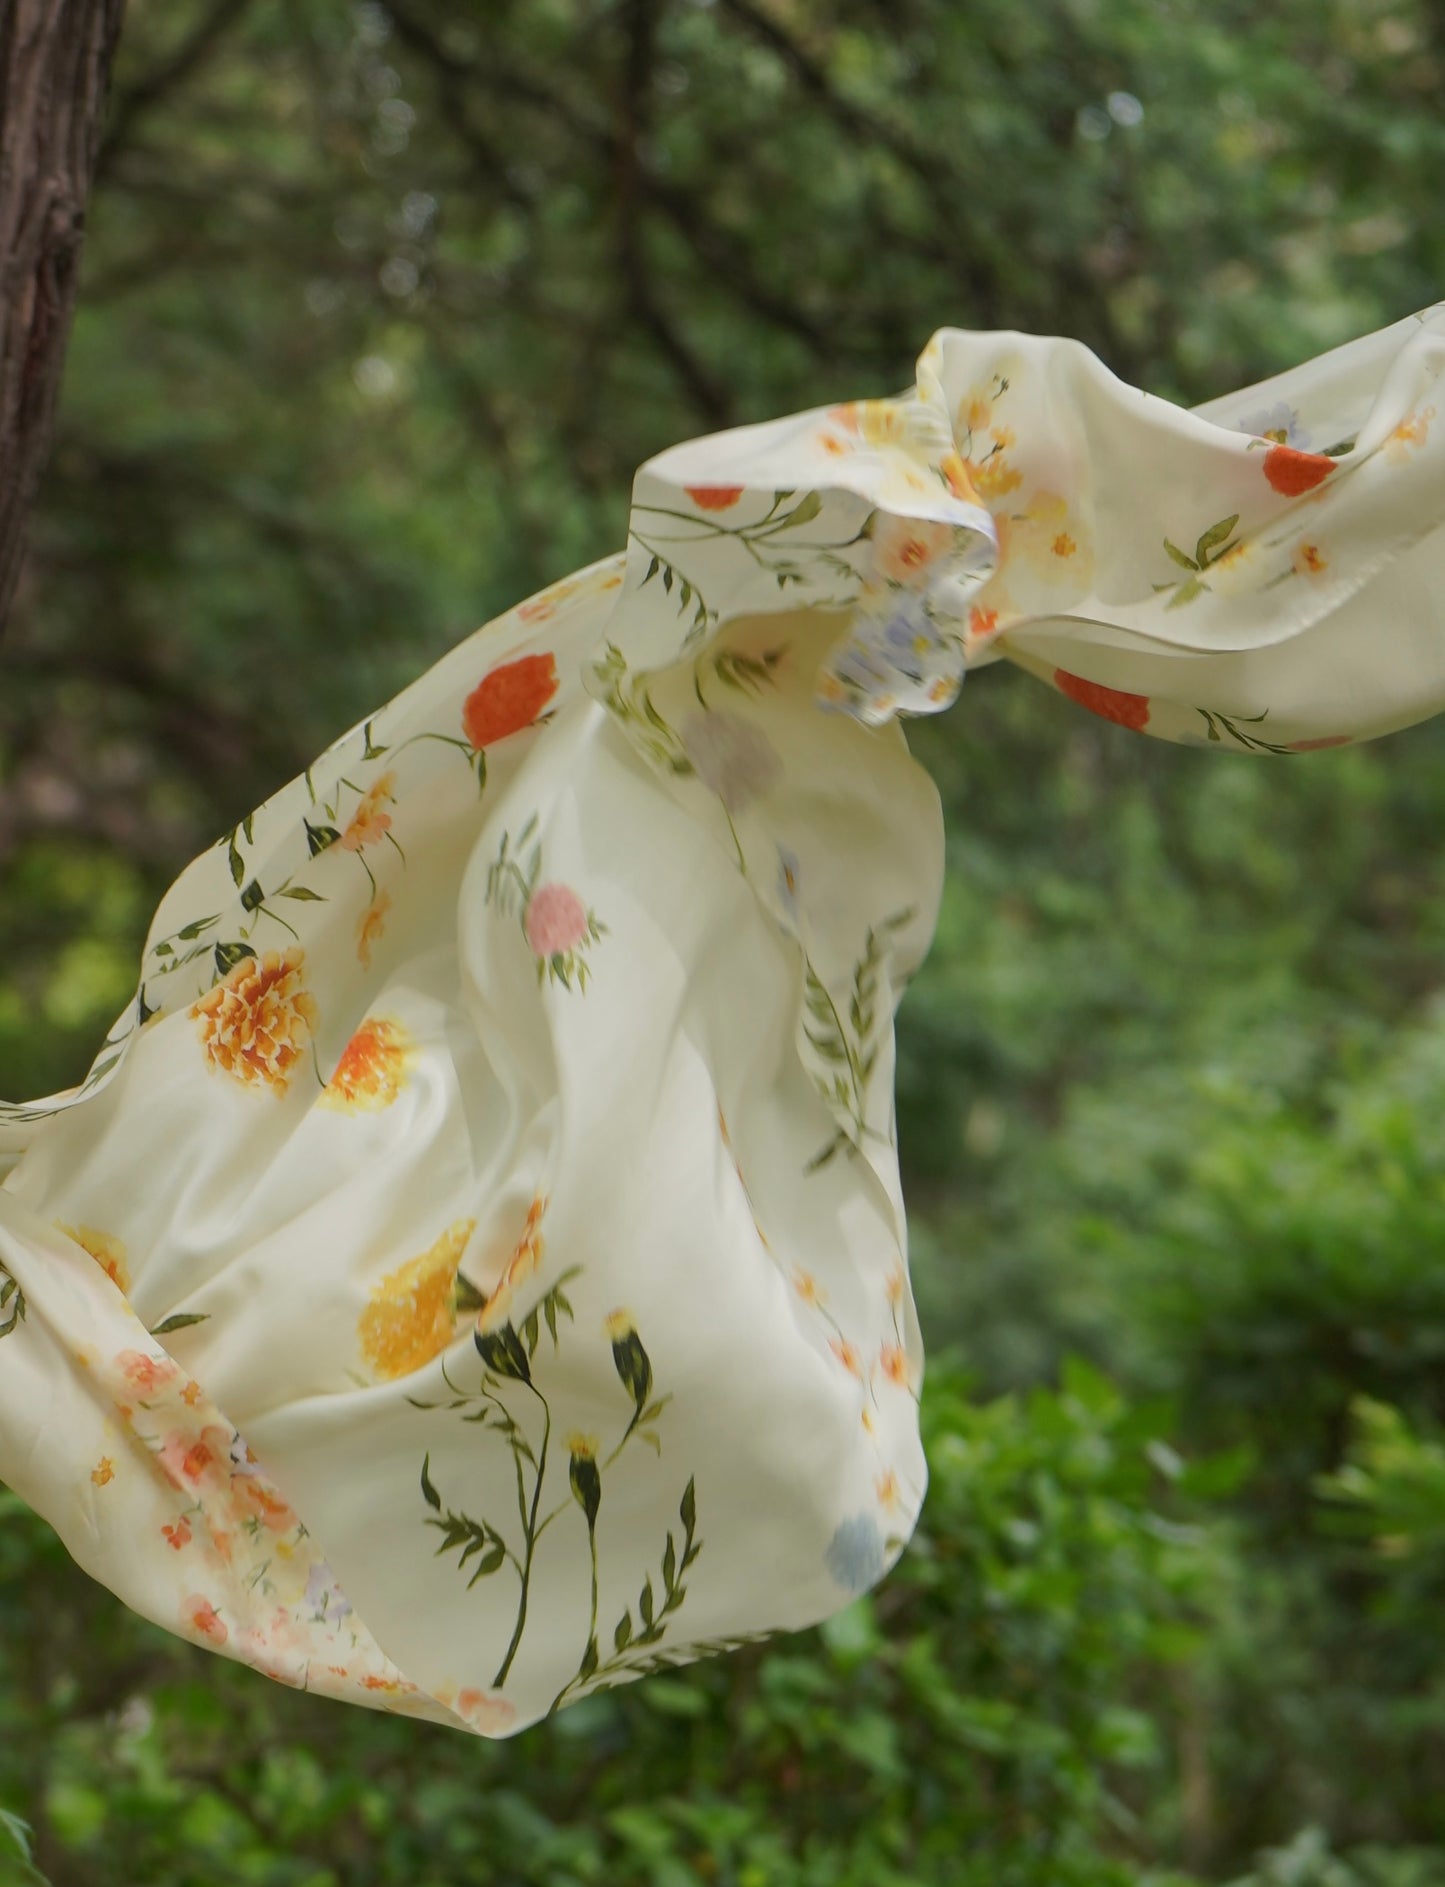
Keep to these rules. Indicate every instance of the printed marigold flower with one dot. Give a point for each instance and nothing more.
(1308, 560)
(103, 1472)
(1292, 472)
(371, 926)
(904, 548)
(257, 1023)
(373, 1067)
(503, 1353)
(1063, 545)
(555, 921)
(807, 1287)
(411, 1315)
(584, 1475)
(107, 1252)
(630, 1359)
(714, 497)
(202, 1617)
(894, 1286)
(509, 698)
(369, 824)
(178, 1535)
(886, 1488)
(1112, 704)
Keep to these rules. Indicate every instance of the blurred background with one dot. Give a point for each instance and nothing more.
(382, 305)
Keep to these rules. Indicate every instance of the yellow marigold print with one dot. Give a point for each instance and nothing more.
(107, 1252)
(257, 1023)
(412, 1313)
(373, 1068)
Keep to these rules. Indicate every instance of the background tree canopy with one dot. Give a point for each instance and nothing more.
(381, 308)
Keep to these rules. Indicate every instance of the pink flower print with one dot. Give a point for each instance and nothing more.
(732, 757)
(555, 921)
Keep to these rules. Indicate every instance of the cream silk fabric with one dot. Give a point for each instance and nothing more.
(485, 1224)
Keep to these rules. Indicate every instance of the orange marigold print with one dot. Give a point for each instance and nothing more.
(508, 699)
(714, 497)
(412, 1313)
(258, 1021)
(373, 1067)
(1113, 704)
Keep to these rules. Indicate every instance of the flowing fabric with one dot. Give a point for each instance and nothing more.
(474, 1271)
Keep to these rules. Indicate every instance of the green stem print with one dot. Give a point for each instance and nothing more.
(847, 1045)
(788, 511)
(12, 1304)
(367, 824)
(483, 1547)
(1212, 545)
(1218, 725)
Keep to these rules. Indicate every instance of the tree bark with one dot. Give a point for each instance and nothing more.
(55, 60)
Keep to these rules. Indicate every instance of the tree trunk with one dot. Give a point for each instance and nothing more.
(54, 64)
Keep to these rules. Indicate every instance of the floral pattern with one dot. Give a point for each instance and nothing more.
(641, 847)
(257, 1023)
(557, 925)
(508, 699)
(373, 1068)
(411, 1314)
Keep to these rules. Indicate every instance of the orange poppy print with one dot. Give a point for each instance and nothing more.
(1111, 704)
(714, 497)
(1292, 472)
(508, 699)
